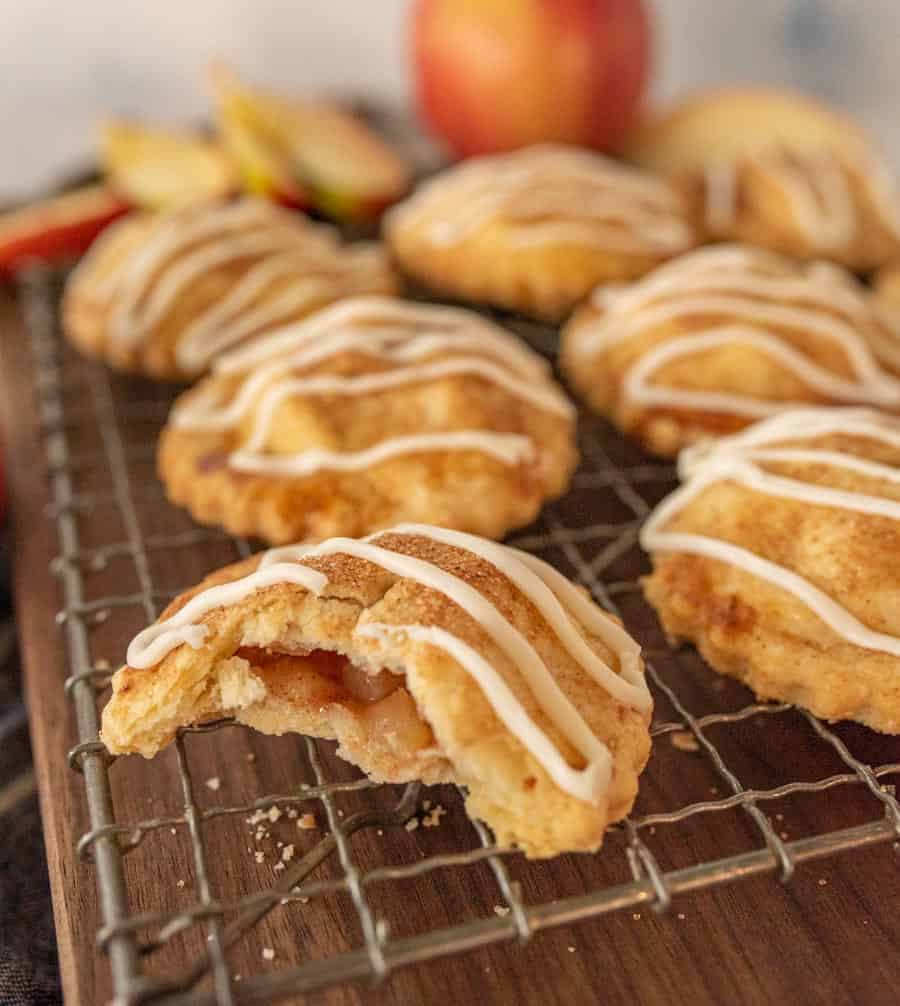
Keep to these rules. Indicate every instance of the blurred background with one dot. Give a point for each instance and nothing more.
(66, 66)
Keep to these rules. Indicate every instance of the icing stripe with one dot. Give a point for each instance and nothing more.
(537, 582)
(818, 189)
(508, 448)
(585, 783)
(307, 259)
(734, 459)
(381, 329)
(714, 286)
(589, 199)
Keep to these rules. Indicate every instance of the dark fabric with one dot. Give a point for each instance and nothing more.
(28, 965)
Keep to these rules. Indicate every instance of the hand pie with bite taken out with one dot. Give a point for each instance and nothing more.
(371, 411)
(535, 230)
(778, 559)
(165, 294)
(723, 336)
(427, 654)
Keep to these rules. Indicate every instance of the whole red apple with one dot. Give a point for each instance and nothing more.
(493, 75)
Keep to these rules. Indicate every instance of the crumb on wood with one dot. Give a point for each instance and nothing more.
(213, 783)
(306, 822)
(433, 818)
(501, 910)
(412, 824)
(292, 813)
(682, 916)
(636, 916)
(101, 664)
(278, 867)
(822, 882)
(274, 813)
(179, 884)
(268, 954)
(250, 756)
(287, 853)
(571, 950)
(259, 856)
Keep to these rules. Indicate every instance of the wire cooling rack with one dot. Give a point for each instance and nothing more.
(119, 543)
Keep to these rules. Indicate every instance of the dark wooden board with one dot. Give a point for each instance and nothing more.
(831, 936)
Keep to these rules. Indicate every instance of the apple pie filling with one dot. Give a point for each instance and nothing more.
(321, 678)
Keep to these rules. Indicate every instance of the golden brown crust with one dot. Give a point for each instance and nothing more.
(438, 725)
(762, 634)
(468, 489)
(736, 368)
(717, 124)
(94, 290)
(492, 264)
(776, 141)
(765, 215)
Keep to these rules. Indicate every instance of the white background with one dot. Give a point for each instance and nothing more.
(65, 64)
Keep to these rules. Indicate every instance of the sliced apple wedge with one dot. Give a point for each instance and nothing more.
(262, 169)
(349, 171)
(57, 228)
(158, 168)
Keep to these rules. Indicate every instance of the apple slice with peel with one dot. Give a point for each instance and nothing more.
(262, 169)
(58, 227)
(349, 171)
(159, 168)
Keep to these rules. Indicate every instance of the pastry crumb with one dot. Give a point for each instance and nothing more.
(101, 664)
(268, 954)
(292, 812)
(274, 813)
(213, 783)
(822, 882)
(278, 867)
(571, 950)
(173, 831)
(259, 856)
(412, 824)
(433, 818)
(287, 853)
(306, 822)
(250, 756)
(179, 884)
(501, 910)
(682, 916)
(684, 741)
(636, 916)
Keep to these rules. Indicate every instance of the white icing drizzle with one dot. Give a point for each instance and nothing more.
(550, 194)
(753, 291)
(818, 189)
(382, 329)
(740, 459)
(507, 448)
(190, 243)
(559, 603)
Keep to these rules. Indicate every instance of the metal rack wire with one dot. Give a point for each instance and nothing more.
(75, 395)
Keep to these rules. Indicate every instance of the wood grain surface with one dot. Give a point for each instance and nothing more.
(831, 936)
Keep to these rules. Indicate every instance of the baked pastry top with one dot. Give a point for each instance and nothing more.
(778, 556)
(535, 230)
(164, 294)
(371, 411)
(838, 204)
(427, 654)
(723, 336)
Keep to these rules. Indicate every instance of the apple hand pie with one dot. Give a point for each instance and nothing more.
(723, 336)
(535, 230)
(427, 654)
(372, 411)
(164, 294)
(778, 558)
